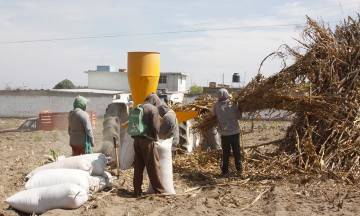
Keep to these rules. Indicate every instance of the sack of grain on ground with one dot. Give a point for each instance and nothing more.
(97, 183)
(97, 160)
(48, 177)
(40, 200)
(67, 163)
(166, 169)
(127, 152)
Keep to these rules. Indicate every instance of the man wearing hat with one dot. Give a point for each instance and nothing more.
(80, 130)
(228, 116)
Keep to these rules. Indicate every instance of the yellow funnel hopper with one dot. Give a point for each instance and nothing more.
(183, 116)
(143, 74)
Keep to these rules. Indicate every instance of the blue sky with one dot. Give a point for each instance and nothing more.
(208, 39)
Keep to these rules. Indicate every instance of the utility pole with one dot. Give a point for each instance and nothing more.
(244, 79)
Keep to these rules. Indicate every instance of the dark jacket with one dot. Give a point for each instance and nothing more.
(151, 117)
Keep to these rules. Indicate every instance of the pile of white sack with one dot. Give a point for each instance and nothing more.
(64, 184)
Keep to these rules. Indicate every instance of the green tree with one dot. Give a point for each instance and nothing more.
(65, 84)
(195, 89)
(8, 88)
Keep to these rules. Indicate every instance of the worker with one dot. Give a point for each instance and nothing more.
(80, 129)
(146, 154)
(228, 116)
(169, 126)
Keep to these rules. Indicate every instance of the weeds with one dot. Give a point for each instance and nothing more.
(55, 135)
(54, 155)
(39, 137)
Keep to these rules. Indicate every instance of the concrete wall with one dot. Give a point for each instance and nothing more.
(29, 103)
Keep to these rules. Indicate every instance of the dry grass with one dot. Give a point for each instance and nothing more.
(321, 89)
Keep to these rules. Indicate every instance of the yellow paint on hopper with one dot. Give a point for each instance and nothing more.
(143, 74)
(186, 115)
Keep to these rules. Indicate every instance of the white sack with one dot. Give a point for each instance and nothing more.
(69, 163)
(48, 177)
(97, 160)
(40, 200)
(166, 169)
(109, 179)
(127, 152)
(97, 183)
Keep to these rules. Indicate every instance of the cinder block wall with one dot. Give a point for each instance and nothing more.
(29, 103)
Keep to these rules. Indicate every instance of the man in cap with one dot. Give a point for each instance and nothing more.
(80, 130)
(228, 115)
(146, 154)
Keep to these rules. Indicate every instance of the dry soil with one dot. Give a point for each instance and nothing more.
(196, 195)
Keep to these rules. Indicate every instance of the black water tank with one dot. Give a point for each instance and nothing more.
(236, 78)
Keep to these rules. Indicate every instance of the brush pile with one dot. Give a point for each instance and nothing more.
(321, 89)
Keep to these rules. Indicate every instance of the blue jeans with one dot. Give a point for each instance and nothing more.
(228, 143)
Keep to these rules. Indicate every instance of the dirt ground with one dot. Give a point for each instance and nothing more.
(196, 195)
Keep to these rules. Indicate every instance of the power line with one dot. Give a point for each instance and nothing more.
(150, 33)
(176, 32)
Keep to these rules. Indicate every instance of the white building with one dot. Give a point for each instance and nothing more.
(103, 84)
(118, 81)
(172, 82)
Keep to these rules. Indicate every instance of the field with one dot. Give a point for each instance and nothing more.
(198, 193)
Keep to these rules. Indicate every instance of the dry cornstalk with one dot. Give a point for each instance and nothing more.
(321, 91)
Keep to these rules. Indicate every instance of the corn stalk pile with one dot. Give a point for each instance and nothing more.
(321, 89)
(204, 105)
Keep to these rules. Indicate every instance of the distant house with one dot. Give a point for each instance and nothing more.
(173, 82)
(107, 78)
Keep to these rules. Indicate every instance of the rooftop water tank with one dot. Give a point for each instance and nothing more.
(236, 78)
(212, 85)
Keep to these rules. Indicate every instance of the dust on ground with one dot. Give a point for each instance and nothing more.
(197, 194)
